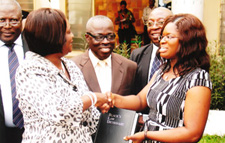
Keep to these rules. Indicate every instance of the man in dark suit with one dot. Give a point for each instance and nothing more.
(10, 42)
(117, 73)
(2, 121)
(145, 55)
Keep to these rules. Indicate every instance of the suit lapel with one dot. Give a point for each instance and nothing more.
(117, 73)
(146, 59)
(89, 73)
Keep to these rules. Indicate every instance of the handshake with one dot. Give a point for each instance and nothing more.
(105, 101)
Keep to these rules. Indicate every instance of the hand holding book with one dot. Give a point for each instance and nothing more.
(138, 137)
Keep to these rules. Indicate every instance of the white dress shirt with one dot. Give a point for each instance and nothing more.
(5, 78)
(104, 74)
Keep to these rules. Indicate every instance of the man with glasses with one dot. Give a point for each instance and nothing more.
(11, 54)
(146, 55)
(103, 70)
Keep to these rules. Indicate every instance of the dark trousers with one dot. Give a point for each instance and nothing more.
(125, 36)
(14, 135)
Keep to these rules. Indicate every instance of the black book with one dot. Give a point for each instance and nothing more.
(115, 125)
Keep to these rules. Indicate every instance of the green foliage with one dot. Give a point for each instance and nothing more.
(80, 43)
(212, 139)
(123, 49)
(217, 73)
(136, 42)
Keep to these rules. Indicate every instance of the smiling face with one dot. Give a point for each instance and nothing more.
(8, 12)
(101, 49)
(169, 44)
(158, 15)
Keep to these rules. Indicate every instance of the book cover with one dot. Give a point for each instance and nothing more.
(115, 125)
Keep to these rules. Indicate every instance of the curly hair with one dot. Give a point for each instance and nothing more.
(192, 41)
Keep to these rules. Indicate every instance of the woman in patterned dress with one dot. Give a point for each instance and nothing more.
(179, 92)
(56, 103)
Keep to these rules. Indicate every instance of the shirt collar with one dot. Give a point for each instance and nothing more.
(155, 47)
(1, 43)
(95, 60)
(17, 42)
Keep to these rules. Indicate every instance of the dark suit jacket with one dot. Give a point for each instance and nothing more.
(142, 57)
(123, 73)
(2, 121)
(3, 136)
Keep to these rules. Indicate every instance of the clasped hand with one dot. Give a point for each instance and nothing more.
(104, 107)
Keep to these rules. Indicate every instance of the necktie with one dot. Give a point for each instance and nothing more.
(13, 65)
(155, 66)
(102, 76)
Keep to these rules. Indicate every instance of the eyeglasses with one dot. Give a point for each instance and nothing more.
(12, 22)
(99, 38)
(158, 23)
(167, 37)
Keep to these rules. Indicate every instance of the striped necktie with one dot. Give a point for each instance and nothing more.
(13, 65)
(155, 66)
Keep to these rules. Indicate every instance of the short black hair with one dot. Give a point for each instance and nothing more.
(123, 2)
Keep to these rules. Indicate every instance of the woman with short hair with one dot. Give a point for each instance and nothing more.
(56, 103)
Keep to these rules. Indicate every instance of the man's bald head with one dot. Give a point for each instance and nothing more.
(98, 20)
(11, 2)
(10, 10)
(161, 12)
(155, 23)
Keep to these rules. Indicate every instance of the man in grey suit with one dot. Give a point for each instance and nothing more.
(103, 70)
(145, 55)
(11, 41)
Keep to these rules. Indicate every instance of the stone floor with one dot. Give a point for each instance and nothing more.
(216, 123)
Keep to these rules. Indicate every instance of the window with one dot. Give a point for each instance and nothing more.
(79, 11)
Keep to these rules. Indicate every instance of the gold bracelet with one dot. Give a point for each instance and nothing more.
(145, 134)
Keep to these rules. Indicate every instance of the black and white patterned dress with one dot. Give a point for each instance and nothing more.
(50, 103)
(166, 99)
